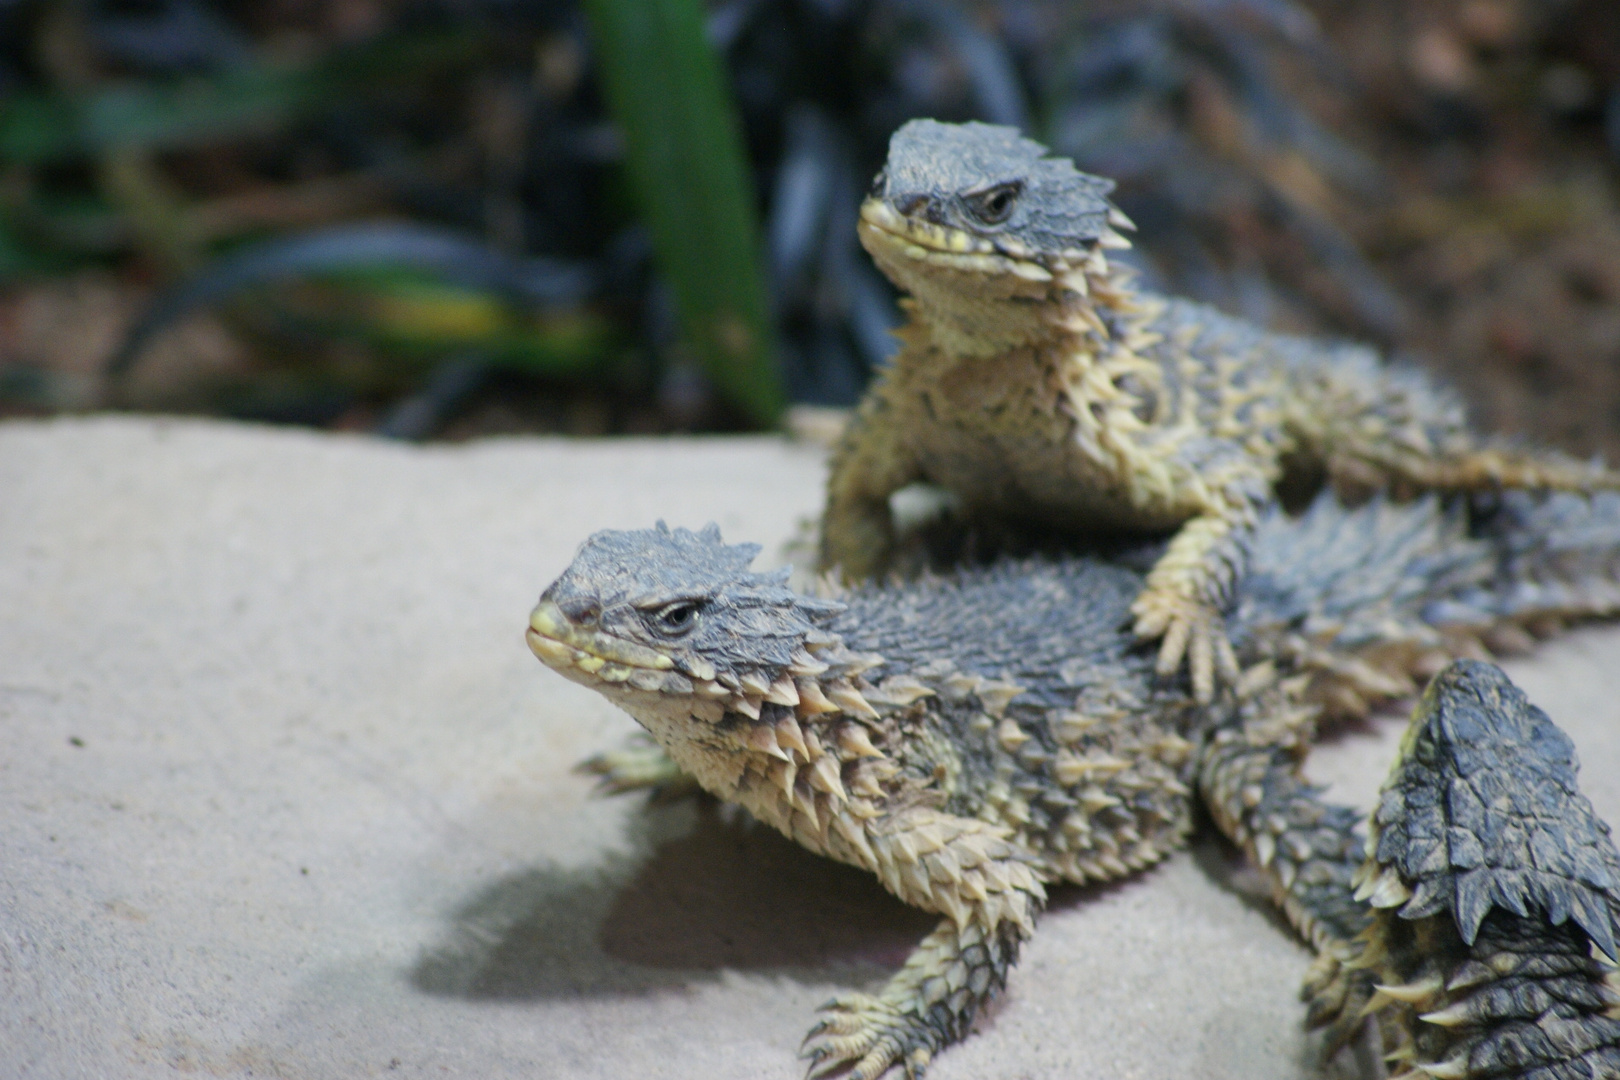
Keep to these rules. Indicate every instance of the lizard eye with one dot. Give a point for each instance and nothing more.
(995, 205)
(673, 620)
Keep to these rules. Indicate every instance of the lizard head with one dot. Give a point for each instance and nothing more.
(673, 627)
(992, 237)
(717, 662)
(721, 665)
(674, 611)
(1482, 811)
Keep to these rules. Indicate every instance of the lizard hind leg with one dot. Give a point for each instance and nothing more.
(1480, 468)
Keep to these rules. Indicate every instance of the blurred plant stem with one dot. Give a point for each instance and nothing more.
(687, 167)
(154, 209)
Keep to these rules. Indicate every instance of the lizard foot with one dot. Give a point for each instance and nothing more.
(1336, 994)
(867, 1036)
(638, 765)
(1192, 630)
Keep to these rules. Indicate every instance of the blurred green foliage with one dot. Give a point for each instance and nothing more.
(687, 175)
(690, 176)
(419, 318)
(255, 99)
(653, 202)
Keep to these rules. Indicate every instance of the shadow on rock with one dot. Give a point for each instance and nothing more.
(1230, 870)
(705, 890)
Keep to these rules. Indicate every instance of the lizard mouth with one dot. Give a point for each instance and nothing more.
(884, 229)
(615, 666)
(571, 649)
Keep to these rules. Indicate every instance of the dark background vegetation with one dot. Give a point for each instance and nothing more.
(469, 216)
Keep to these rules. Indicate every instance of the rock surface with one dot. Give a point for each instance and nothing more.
(282, 793)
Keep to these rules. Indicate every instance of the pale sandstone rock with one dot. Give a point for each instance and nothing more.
(322, 822)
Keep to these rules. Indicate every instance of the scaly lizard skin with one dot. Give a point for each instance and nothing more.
(972, 737)
(1036, 382)
(1495, 889)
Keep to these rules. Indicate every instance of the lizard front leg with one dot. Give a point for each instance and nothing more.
(639, 764)
(868, 465)
(1222, 488)
(969, 871)
(1181, 602)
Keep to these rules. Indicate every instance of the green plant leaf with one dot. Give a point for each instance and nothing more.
(687, 167)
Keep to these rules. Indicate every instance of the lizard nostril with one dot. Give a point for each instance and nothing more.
(581, 612)
(911, 204)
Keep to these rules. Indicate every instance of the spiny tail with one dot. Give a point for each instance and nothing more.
(1372, 601)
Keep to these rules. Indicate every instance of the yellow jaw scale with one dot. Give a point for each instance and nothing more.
(560, 644)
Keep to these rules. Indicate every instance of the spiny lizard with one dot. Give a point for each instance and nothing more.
(971, 737)
(1036, 381)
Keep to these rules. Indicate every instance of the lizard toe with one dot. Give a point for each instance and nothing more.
(639, 764)
(1191, 632)
(862, 1037)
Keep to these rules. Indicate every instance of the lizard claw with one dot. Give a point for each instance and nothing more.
(1191, 630)
(820, 1027)
(1339, 996)
(863, 1037)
